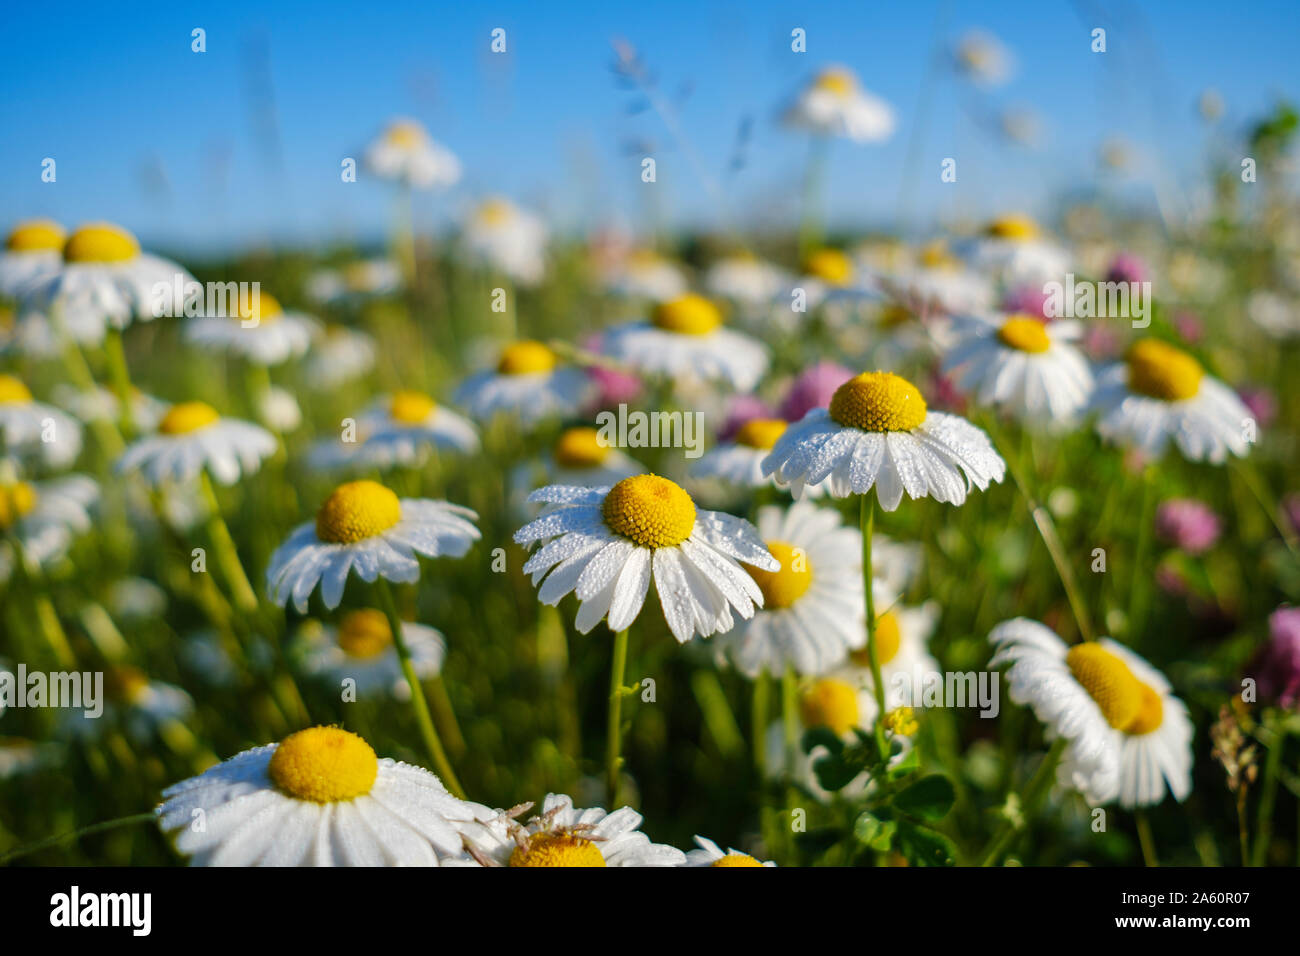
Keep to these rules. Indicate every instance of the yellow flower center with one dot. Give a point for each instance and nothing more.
(126, 684)
(1151, 714)
(894, 315)
(16, 500)
(36, 235)
(1013, 227)
(495, 212)
(406, 134)
(185, 417)
(736, 859)
(580, 448)
(411, 407)
(1108, 681)
(829, 703)
(526, 358)
(689, 314)
(782, 587)
(878, 402)
(1025, 334)
(1162, 371)
(651, 511)
(761, 433)
(902, 721)
(357, 510)
(889, 638)
(365, 633)
(830, 265)
(13, 391)
(324, 765)
(838, 81)
(100, 242)
(557, 849)
(936, 256)
(258, 308)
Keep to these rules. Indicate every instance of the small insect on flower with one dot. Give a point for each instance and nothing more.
(879, 433)
(364, 527)
(607, 544)
(405, 153)
(193, 437)
(320, 797)
(529, 384)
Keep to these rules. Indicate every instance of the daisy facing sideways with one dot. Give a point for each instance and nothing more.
(709, 853)
(834, 104)
(1013, 250)
(812, 614)
(320, 797)
(43, 517)
(607, 545)
(529, 384)
(562, 835)
(685, 339)
(192, 437)
(1026, 366)
(361, 649)
(364, 527)
(1161, 393)
(260, 331)
(406, 153)
(32, 429)
(32, 250)
(406, 427)
(507, 239)
(878, 433)
(580, 457)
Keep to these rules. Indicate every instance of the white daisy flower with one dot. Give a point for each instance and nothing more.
(937, 283)
(1014, 251)
(33, 250)
(644, 274)
(44, 517)
(508, 240)
(1161, 393)
(19, 757)
(580, 457)
(834, 104)
(363, 526)
(406, 153)
(146, 709)
(684, 339)
(407, 426)
(193, 437)
(878, 433)
(320, 797)
(813, 611)
(105, 279)
(261, 331)
(834, 704)
(529, 384)
(739, 462)
(32, 429)
(1026, 366)
(982, 57)
(367, 278)
(102, 404)
(829, 275)
(278, 409)
(361, 649)
(562, 835)
(746, 280)
(205, 655)
(902, 649)
(1083, 694)
(607, 544)
(338, 357)
(710, 854)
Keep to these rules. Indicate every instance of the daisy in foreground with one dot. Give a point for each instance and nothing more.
(1161, 393)
(529, 384)
(607, 544)
(879, 433)
(812, 613)
(193, 439)
(562, 835)
(361, 649)
(710, 854)
(1028, 367)
(363, 526)
(1126, 736)
(684, 339)
(320, 797)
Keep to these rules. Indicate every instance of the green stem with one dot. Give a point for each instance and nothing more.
(867, 523)
(614, 730)
(418, 702)
(75, 835)
(121, 379)
(1140, 577)
(445, 715)
(1146, 840)
(1032, 795)
(1268, 794)
(226, 554)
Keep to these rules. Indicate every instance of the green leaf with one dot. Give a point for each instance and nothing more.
(925, 847)
(821, 737)
(929, 798)
(907, 765)
(874, 832)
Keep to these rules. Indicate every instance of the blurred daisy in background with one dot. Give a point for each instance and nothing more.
(1161, 393)
(19, 757)
(608, 544)
(193, 437)
(835, 705)
(812, 613)
(580, 457)
(902, 648)
(101, 404)
(562, 835)
(529, 384)
(1023, 365)
(32, 429)
(738, 463)
(364, 527)
(320, 797)
(354, 282)
(686, 340)
(405, 153)
(405, 428)
(878, 433)
(834, 104)
(42, 517)
(360, 648)
(935, 282)
(747, 281)
(33, 250)
(278, 409)
(507, 240)
(981, 58)
(337, 357)
(709, 853)
(144, 708)
(644, 274)
(260, 331)
(1014, 251)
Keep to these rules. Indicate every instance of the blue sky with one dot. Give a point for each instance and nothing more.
(190, 151)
